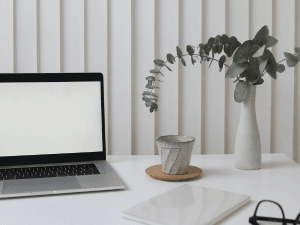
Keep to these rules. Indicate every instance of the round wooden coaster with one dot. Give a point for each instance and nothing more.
(157, 173)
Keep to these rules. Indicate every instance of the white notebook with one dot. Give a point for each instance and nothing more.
(186, 205)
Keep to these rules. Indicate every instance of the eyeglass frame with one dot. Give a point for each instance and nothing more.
(284, 221)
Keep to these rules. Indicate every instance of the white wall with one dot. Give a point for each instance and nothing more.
(121, 38)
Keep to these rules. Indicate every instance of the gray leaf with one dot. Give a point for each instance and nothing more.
(236, 69)
(241, 91)
(259, 52)
(280, 68)
(271, 41)
(291, 60)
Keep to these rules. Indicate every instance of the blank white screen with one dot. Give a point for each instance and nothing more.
(50, 118)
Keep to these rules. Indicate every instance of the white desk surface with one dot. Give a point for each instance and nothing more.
(278, 180)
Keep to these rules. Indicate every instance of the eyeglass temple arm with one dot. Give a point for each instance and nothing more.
(283, 217)
(297, 219)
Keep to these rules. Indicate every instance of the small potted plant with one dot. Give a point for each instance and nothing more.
(249, 62)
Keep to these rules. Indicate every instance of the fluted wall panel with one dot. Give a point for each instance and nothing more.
(121, 38)
(190, 33)
(237, 24)
(282, 122)
(260, 15)
(166, 40)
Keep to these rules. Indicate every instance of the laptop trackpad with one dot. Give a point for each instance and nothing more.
(40, 184)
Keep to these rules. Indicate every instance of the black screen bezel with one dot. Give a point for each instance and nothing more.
(64, 157)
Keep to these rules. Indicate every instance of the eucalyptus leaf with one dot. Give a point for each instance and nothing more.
(254, 49)
(291, 60)
(206, 49)
(221, 62)
(224, 39)
(251, 75)
(259, 82)
(217, 40)
(183, 61)
(236, 45)
(149, 93)
(193, 60)
(201, 46)
(271, 41)
(215, 48)
(232, 40)
(155, 71)
(151, 78)
(229, 49)
(262, 66)
(147, 104)
(153, 105)
(271, 64)
(261, 36)
(170, 58)
(298, 56)
(242, 53)
(210, 41)
(190, 49)
(297, 49)
(151, 110)
(149, 86)
(236, 69)
(230, 59)
(201, 53)
(241, 91)
(146, 99)
(280, 68)
(179, 52)
(254, 63)
(159, 62)
(259, 52)
(219, 48)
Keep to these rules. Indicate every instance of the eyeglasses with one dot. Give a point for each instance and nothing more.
(254, 219)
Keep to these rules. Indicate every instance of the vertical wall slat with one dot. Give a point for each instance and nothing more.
(143, 18)
(7, 36)
(213, 82)
(261, 15)
(25, 19)
(119, 73)
(237, 24)
(96, 46)
(166, 40)
(282, 124)
(49, 36)
(190, 75)
(297, 89)
(72, 22)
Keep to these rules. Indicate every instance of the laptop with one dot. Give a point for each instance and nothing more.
(52, 135)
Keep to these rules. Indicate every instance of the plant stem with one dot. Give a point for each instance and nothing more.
(198, 55)
(217, 61)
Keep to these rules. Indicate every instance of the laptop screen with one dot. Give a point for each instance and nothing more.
(38, 118)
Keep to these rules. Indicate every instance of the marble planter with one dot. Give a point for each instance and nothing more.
(175, 151)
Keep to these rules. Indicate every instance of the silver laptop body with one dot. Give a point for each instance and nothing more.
(52, 130)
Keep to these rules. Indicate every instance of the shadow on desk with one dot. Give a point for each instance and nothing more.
(64, 194)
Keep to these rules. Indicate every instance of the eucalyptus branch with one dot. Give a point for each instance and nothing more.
(248, 58)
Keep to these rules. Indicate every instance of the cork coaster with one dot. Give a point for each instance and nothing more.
(157, 173)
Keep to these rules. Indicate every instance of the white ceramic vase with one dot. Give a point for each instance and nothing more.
(247, 153)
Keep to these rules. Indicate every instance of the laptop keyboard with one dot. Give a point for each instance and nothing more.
(48, 171)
